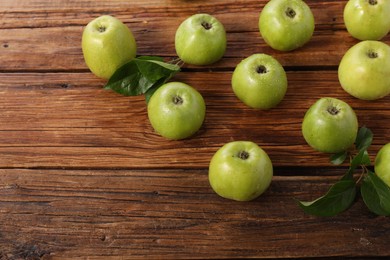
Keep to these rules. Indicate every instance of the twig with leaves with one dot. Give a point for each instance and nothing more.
(342, 194)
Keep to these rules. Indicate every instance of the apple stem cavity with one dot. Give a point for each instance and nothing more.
(261, 69)
(333, 110)
(207, 25)
(177, 100)
(372, 2)
(243, 155)
(290, 12)
(101, 28)
(372, 54)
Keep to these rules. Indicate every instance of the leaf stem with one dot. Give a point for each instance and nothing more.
(178, 62)
(364, 171)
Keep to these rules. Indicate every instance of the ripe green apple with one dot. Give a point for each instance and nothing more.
(176, 110)
(367, 19)
(364, 70)
(107, 44)
(330, 125)
(382, 163)
(240, 171)
(286, 24)
(200, 40)
(259, 81)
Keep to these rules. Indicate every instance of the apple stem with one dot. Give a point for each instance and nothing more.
(177, 100)
(243, 155)
(290, 12)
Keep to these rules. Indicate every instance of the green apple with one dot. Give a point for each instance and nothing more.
(107, 44)
(200, 40)
(382, 163)
(330, 125)
(259, 81)
(367, 19)
(240, 171)
(286, 25)
(364, 70)
(176, 110)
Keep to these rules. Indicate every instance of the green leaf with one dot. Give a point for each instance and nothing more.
(376, 194)
(338, 158)
(365, 159)
(358, 159)
(339, 198)
(355, 162)
(155, 70)
(348, 175)
(167, 66)
(150, 58)
(151, 91)
(363, 138)
(140, 75)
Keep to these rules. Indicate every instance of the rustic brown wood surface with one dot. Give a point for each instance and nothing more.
(82, 174)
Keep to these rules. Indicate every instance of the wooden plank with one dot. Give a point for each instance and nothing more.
(173, 214)
(68, 120)
(322, 8)
(60, 49)
(17, 14)
(148, 13)
(57, 44)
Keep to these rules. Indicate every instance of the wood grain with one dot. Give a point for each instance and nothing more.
(55, 48)
(83, 174)
(173, 214)
(98, 128)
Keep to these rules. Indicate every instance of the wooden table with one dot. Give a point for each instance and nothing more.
(82, 173)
